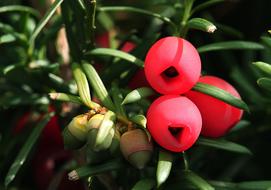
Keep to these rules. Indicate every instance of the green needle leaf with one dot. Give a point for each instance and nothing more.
(163, 167)
(224, 145)
(196, 180)
(221, 95)
(265, 83)
(87, 171)
(205, 5)
(65, 97)
(140, 11)
(137, 95)
(42, 23)
(254, 185)
(82, 84)
(230, 45)
(144, 184)
(19, 8)
(265, 67)
(24, 152)
(141, 121)
(116, 53)
(117, 98)
(98, 86)
(201, 24)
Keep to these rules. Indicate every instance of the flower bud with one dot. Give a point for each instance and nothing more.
(75, 133)
(136, 148)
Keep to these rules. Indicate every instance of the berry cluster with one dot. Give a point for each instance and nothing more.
(172, 67)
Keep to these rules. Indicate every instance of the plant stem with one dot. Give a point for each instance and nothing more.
(188, 4)
(185, 161)
(90, 17)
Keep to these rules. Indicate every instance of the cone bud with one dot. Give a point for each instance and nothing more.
(136, 148)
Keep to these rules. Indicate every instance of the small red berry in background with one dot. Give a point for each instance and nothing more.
(218, 117)
(138, 80)
(174, 122)
(172, 66)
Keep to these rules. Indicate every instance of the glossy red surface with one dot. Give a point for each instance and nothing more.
(174, 122)
(218, 117)
(172, 66)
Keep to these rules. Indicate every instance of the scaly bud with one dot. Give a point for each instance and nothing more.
(75, 133)
(136, 148)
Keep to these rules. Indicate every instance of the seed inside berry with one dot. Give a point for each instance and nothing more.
(170, 72)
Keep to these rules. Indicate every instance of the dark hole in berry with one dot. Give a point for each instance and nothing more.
(170, 72)
(175, 131)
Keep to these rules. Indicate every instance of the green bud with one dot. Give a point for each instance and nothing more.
(78, 127)
(115, 145)
(95, 121)
(70, 141)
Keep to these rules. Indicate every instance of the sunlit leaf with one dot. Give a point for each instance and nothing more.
(163, 167)
(201, 24)
(138, 94)
(116, 53)
(221, 95)
(98, 85)
(82, 84)
(265, 67)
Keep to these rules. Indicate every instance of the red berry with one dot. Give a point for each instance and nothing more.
(172, 66)
(174, 122)
(218, 117)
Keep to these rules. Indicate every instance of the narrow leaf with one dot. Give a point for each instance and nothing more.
(141, 121)
(87, 171)
(82, 85)
(254, 185)
(98, 85)
(43, 22)
(24, 152)
(163, 167)
(205, 5)
(118, 98)
(140, 11)
(230, 45)
(65, 97)
(196, 180)
(201, 24)
(265, 83)
(224, 145)
(19, 8)
(229, 30)
(138, 94)
(266, 40)
(265, 67)
(221, 95)
(144, 184)
(8, 38)
(116, 53)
